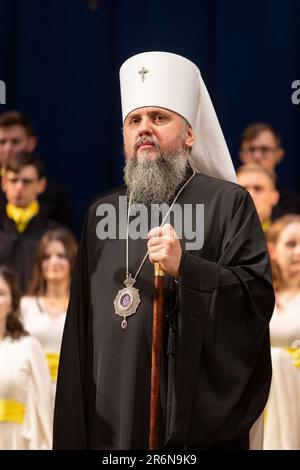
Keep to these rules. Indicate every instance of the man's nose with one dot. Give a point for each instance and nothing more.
(145, 127)
(19, 185)
(257, 154)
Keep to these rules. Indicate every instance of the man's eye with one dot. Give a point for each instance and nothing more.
(133, 122)
(159, 118)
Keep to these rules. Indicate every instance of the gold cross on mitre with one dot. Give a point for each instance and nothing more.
(143, 72)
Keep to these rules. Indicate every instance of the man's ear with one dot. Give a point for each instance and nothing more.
(31, 143)
(279, 155)
(42, 184)
(241, 155)
(275, 197)
(190, 137)
(3, 181)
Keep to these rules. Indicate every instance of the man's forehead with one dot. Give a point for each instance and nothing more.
(150, 110)
(257, 178)
(27, 170)
(264, 135)
(15, 129)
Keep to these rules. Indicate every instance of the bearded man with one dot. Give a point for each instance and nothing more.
(215, 363)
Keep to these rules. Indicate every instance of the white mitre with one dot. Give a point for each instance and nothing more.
(166, 80)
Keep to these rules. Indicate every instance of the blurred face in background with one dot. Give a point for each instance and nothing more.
(263, 150)
(23, 188)
(286, 251)
(14, 139)
(56, 265)
(262, 191)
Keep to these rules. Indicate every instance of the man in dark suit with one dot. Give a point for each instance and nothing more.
(23, 223)
(17, 135)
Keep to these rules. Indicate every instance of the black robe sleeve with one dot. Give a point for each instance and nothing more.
(70, 416)
(222, 366)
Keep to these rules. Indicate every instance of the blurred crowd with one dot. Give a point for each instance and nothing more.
(37, 254)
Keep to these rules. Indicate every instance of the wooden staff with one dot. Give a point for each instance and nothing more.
(157, 339)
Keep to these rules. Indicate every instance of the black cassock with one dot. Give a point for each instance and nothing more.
(216, 367)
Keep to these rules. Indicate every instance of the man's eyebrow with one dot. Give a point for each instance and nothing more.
(133, 115)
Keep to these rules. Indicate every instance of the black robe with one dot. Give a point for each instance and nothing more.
(216, 366)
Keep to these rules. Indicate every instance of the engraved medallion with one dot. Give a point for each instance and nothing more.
(127, 301)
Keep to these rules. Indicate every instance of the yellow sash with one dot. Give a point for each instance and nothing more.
(53, 361)
(12, 411)
(266, 225)
(295, 356)
(22, 216)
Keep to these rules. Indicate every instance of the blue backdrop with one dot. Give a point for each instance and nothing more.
(60, 61)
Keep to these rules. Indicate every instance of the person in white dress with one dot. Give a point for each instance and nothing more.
(44, 308)
(282, 420)
(25, 385)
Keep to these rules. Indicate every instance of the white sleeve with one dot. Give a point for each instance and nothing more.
(282, 423)
(39, 407)
(284, 329)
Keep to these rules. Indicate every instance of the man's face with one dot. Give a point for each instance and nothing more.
(23, 188)
(262, 191)
(14, 139)
(150, 131)
(262, 150)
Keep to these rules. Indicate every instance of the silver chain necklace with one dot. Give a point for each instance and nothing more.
(128, 299)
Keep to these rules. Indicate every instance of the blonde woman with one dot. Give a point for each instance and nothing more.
(44, 308)
(25, 385)
(282, 426)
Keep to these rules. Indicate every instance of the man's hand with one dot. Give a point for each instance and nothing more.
(164, 247)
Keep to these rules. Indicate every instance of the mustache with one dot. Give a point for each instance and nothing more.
(146, 140)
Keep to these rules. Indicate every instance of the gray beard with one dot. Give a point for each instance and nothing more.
(155, 181)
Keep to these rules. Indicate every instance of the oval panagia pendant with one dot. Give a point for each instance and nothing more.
(127, 301)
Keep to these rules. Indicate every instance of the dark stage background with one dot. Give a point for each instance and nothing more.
(60, 61)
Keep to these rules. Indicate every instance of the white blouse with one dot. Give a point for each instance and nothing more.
(282, 421)
(285, 323)
(25, 396)
(48, 329)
